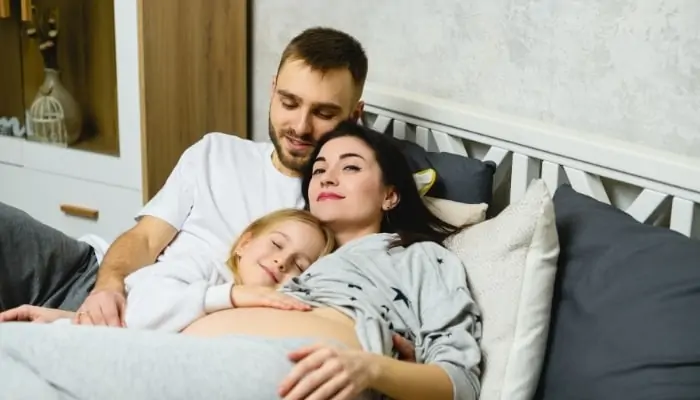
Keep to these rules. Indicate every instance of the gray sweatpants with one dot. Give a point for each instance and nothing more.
(52, 362)
(40, 265)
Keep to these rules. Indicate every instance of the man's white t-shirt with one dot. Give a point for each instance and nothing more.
(218, 187)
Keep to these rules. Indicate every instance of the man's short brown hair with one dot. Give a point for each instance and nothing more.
(325, 49)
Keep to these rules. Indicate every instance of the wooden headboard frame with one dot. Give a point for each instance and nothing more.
(653, 186)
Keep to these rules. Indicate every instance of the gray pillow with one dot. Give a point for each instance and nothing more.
(626, 308)
(460, 179)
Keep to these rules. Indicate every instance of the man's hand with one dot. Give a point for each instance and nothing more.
(27, 313)
(405, 348)
(102, 307)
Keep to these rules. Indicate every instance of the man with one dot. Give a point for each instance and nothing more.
(220, 184)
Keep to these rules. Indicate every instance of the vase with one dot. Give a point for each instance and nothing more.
(54, 115)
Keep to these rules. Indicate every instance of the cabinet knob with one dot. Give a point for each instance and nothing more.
(79, 211)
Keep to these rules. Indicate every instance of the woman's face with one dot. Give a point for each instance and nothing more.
(346, 188)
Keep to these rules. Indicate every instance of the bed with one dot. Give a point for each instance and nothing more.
(608, 307)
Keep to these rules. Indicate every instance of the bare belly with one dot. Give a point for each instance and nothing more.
(323, 323)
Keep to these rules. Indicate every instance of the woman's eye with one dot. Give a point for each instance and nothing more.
(352, 168)
(276, 244)
(317, 171)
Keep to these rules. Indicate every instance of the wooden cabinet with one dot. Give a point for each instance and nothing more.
(194, 77)
(180, 70)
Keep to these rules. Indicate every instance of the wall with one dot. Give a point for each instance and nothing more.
(629, 69)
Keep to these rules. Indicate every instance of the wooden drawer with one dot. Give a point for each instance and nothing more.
(70, 205)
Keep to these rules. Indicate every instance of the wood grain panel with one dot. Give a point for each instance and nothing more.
(194, 59)
(5, 9)
(11, 100)
(100, 79)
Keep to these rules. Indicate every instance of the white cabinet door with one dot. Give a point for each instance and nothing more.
(68, 204)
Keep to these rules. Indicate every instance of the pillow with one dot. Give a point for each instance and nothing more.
(424, 180)
(452, 212)
(625, 321)
(457, 214)
(460, 179)
(511, 264)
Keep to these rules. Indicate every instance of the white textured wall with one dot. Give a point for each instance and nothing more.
(624, 68)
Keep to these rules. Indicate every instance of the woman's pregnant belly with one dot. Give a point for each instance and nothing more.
(322, 323)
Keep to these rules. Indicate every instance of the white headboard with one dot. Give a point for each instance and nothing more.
(653, 186)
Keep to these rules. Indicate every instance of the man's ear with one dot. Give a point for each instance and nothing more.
(358, 111)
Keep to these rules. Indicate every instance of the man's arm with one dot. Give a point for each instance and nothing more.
(134, 249)
(158, 223)
(131, 251)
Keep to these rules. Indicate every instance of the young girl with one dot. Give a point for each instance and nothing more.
(170, 295)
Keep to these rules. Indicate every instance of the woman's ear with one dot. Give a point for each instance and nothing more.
(391, 200)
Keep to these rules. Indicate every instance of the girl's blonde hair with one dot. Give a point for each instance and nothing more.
(267, 222)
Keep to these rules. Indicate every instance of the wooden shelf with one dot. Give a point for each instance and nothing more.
(86, 60)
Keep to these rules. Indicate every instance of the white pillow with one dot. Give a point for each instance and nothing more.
(511, 262)
(455, 213)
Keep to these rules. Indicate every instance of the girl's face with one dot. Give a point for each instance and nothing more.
(282, 252)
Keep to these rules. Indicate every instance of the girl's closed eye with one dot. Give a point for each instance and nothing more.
(353, 168)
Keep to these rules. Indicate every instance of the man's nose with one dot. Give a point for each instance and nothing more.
(303, 125)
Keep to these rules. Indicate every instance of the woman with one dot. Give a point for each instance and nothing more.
(389, 274)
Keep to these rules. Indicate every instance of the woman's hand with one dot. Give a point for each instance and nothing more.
(261, 296)
(27, 313)
(324, 372)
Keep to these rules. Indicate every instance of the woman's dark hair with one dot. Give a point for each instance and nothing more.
(410, 219)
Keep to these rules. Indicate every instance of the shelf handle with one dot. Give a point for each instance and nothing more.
(80, 212)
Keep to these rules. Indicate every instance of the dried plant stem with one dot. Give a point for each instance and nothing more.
(44, 29)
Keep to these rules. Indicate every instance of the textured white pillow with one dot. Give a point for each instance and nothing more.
(511, 263)
(457, 214)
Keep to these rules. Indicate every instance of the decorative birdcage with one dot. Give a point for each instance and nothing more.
(47, 121)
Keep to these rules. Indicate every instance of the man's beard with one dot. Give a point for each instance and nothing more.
(292, 160)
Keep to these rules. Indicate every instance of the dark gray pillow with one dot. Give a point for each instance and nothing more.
(461, 179)
(626, 308)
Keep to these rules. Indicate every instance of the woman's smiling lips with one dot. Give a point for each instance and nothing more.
(329, 196)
